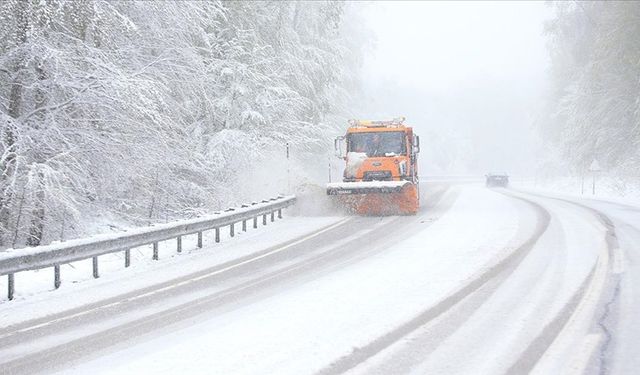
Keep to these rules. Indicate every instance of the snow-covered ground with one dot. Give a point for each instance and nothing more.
(609, 188)
(620, 333)
(615, 336)
(36, 297)
(481, 281)
(311, 324)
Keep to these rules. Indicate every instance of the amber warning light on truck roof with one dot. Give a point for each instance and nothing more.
(373, 124)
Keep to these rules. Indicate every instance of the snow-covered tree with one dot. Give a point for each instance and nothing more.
(594, 110)
(144, 111)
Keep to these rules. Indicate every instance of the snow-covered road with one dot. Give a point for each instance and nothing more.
(618, 327)
(481, 281)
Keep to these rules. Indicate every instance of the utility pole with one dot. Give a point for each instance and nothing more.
(288, 171)
(594, 168)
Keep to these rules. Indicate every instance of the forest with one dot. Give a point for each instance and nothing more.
(142, 112)
(116, 114)
(593, 110)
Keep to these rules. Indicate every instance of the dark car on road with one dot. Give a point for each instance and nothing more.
(497, 180)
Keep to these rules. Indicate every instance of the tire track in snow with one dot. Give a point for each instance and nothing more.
(603, 324)
(504, 266)
(617, 353)
(326, 259)
(550, 333)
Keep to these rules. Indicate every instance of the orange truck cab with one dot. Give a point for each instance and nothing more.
(381, 171)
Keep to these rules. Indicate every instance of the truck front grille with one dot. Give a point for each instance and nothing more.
(377, 176)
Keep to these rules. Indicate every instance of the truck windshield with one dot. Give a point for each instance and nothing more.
(377, 143)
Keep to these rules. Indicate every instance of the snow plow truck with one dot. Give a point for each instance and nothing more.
(381, 172)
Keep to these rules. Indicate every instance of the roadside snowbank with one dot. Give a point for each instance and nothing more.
(35, 296)
(607, 188)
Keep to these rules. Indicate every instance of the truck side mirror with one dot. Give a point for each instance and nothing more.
(416, 144)
(339, 145)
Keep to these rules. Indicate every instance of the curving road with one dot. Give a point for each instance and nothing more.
(481, 281)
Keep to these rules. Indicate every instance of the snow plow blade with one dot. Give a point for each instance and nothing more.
(382, 187)
(376, 197)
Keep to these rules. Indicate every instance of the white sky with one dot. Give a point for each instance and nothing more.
(468, 75)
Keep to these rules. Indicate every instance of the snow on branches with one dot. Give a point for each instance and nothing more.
(594, 110)
(148, 111)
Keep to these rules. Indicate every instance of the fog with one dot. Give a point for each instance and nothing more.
(469, 76)
(236, 100)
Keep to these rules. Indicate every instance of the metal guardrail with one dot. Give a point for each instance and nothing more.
(56, 254)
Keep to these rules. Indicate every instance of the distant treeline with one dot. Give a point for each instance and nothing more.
(151, 110)
(594, 109)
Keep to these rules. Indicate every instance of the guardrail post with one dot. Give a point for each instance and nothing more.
(95, 268)
(126, 242)
(56, 276)
(11, 286)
